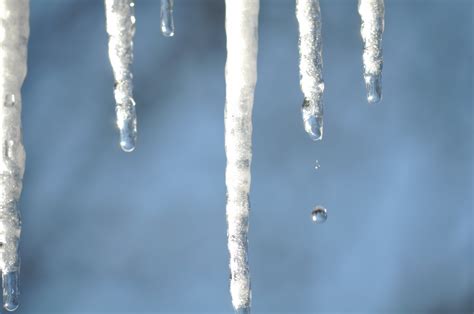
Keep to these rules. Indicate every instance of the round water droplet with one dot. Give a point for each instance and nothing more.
(317, 165)
(319, 214)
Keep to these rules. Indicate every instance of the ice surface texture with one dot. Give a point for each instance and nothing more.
(308, 14)
(241, 26)
(14, 32)
(372, 26)
(121, 29)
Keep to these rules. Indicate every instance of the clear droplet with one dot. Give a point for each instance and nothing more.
(243, 310)
(319, 215)
(127, 124)
(373, 83)
(10, 290)
(167, 23)
(9, 100)
(313, 125)
(317, 165)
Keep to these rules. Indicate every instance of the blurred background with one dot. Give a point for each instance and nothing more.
(108, 231)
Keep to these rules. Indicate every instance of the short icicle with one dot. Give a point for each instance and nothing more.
(308, 14)
(372, 26)
(241, 26)
(14, 30)
(167, 22)
(121, 29)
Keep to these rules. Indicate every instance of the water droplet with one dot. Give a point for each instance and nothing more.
(167, 23)
(10, 290)
(243, 310)
(127, 124)
(9, 100)
(317, 165)
(373, 83)
(319, 214)
(313, 125)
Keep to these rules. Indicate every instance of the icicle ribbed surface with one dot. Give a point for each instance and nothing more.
(241, 76)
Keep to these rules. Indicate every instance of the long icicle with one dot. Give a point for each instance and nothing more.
(241, 26)
(121, 29)
(372, 17)
(14, 33)
(308, 14)
(167, 22)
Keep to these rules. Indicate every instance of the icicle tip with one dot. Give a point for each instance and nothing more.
(373, 84)
(10, 290)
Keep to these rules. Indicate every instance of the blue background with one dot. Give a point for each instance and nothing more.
(107, 231)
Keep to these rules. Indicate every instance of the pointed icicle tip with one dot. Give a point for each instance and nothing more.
(10, 290)
(373, 83)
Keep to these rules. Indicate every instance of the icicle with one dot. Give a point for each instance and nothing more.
(241, 76)
(167, 23)
(372, 16)
(121, 28)
(308, 15)
(14, 32)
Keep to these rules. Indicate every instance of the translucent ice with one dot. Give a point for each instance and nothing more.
(14, 33)
(372, 26)
(121, 29)
(241, 76)
(308, 14)
(167, 22)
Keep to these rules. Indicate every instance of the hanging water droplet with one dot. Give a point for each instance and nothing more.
(10, 290)
(313, 125)
(373, 84)
(9, 100)
(167, 23)
(127, 124)
(244, 310)
(317, 165)
(319, 214)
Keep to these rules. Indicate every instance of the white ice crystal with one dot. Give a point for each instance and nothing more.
(121, 29)
(241, 76)
(308, 14)
(372, 27)
(14, 32)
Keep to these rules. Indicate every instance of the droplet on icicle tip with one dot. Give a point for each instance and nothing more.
(127, 125)
(313, 125)
(243, 310)
(373, 83)
(319, 215)
(10, 290)
(167, 23)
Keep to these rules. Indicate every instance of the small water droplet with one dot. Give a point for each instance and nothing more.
(167, 23)
(373, 83)
(9, 100)
(319, 214)
(10, 290)
(317, 165)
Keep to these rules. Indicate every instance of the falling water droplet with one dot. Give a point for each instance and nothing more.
(317, 165)
(167, 23)
(319, 214)
(373, 84)
(10, 290)
(9, 100)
